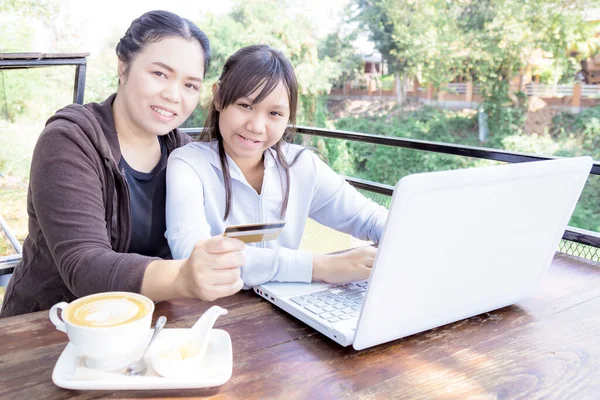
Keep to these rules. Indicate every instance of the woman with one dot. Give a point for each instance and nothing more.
(248, 172)
(96, 198)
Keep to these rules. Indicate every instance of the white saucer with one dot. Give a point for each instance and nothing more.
(70, 371)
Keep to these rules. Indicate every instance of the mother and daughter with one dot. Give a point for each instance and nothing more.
(97, 195)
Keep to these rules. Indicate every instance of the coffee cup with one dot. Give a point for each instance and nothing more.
(109, 329)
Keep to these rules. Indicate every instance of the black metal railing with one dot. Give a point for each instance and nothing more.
(8, 262)
(436, 147)
(579, 242)
(35, 60)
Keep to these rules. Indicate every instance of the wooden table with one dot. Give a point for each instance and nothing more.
(545, 347)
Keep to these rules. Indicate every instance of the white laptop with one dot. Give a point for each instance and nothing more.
(456, 244)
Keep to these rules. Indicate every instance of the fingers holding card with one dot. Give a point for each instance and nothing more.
(252, 233)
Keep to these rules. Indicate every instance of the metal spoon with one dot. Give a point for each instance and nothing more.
(140, 367)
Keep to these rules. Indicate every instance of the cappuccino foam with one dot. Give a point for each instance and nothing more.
(106, 310)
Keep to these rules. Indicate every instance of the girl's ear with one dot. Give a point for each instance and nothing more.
(215, 90)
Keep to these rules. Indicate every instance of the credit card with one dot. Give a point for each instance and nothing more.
(252, 233)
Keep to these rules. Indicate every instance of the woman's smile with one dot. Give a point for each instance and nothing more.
(164, 114)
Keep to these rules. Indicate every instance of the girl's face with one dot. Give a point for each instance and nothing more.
(162, 85)
(250, 129)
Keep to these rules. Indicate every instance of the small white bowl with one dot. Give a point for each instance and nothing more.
(183, 356)
(170, 356)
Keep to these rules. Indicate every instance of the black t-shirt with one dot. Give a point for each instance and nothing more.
(147, 193)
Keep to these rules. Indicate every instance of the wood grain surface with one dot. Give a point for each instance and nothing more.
(545, 347)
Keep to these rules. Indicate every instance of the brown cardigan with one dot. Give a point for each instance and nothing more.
(79, 213)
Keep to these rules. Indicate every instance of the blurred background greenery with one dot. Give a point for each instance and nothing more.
(487, 42)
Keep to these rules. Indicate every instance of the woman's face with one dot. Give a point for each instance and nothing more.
(161, 87)
(249, 129)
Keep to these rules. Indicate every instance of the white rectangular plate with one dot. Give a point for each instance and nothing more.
(70, 371)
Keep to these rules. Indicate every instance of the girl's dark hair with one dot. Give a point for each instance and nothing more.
(243, 73)
(154, 26)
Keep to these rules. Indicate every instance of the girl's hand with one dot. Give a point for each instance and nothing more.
(213, 269)
(349, 266)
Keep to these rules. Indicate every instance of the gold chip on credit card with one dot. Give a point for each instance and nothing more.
(252, 233)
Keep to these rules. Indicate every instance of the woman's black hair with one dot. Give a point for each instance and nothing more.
(244, 72)
(154, 26)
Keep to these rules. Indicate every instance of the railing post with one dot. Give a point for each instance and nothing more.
(79, 85)
(469, 92)
(440, 96)
(416, 86)
(370, 85)
(576, 104)
(430, 91)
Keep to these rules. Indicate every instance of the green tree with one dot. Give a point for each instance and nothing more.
(29, 8)
(411, 35)
(338, 47)
(487, 41)
(259, 22)
(500, 36)
(19, 87)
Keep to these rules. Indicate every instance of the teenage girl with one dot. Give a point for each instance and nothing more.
(245, 171)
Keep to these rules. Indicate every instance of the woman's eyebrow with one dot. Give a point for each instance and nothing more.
(165, 66)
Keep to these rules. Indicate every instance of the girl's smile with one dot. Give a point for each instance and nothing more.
(250, 128)
(247, 141)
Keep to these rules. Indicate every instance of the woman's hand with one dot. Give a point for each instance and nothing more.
(213, 269)
(349, 266)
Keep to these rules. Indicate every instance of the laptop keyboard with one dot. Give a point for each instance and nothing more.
(338, 303)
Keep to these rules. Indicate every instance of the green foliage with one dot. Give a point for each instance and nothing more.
(581, 132)
(29, 8)
(412, 36)
(403, 30)
(197, 119)
(16, 147)
(573, 135)
(504, 116)
(34, 92)
(387, 82)
(577, 135)
(249, 22)
(338, 48)
(257, 21)
(498, 37)
(487, 41)
(586, 215)
(387, 164)
(101, 77)
(534, 144)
